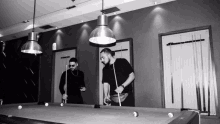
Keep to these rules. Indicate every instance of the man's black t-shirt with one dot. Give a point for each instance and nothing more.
(75, 80)
(122, 70)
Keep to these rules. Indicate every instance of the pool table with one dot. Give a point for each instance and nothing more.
(54, 113)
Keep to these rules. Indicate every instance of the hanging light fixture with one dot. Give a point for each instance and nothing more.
(102, 34)
(32, 47)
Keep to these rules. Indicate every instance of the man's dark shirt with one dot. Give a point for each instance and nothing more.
(75, 80)
(122, 70)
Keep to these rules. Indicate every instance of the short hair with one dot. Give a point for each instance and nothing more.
(109, 51)
(73, 60)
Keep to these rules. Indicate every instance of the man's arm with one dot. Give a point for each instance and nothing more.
(61, 86)
(126, 83)
(129, 79)
(106, 88)
(127, 68)
(82, 87)
(131, 76)
(62, 83)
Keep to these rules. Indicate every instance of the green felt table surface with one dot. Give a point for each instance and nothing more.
(87, 114)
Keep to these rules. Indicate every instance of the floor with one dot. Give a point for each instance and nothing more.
(210, 120)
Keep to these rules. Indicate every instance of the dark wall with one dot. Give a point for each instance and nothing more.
(143, 26)
(19, 74)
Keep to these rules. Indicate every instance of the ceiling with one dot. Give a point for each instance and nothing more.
(54, 12)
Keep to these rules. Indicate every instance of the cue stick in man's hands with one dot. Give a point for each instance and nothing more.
(117, 85)
(65, 86)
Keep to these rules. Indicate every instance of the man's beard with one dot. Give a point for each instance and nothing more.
(108, 63)
(72, 69)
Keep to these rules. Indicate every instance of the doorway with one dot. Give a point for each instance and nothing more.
(188, 70)
(61, 61)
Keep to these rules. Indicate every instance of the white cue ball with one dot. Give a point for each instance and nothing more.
(46, 104)
(19, 107)
(170, 115)
(61, 104)
(135, 114)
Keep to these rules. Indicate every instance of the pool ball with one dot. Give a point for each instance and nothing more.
(19, 107)
(135, 114)
(46, 104)
(170, 115)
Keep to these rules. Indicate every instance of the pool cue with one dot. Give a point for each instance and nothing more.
(65, 57)
(182, 104)
(203, 85)
(117, 85)
(209, 98)
(65, 100)
(172, 94)
(195, 72)
(209, 79)
(181, 79)
(171, 74)
(199, 97)
(198, 83)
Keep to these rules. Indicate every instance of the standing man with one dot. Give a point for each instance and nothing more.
(75, 83)
(117, 77)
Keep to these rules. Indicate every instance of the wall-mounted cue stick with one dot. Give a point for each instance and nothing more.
(200, 102)
(182, 104)
(181, 66)
(209, 100)
(120, 50)
(204, 104)
(209, 80)
(65, 57)
(203, 85)
(197, 96)
(198, 83)
(172, 95)
(171, 74)
(195, 72)
(171, 43)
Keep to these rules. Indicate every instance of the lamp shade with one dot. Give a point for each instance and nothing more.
(32, 47)
(102, 34)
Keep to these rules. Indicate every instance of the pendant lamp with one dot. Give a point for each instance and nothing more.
(102, 34)
(31, 46)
